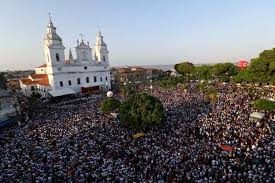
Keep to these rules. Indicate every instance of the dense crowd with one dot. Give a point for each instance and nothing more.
(72, 141)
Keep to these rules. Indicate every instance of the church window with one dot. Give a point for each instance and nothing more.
(95, 79)
(78, 81)
(85, 68)
(57, 57)
(104, 59)
(70, 82)
(61, 83)
(87, 79)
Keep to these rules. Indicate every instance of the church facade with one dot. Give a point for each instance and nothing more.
(89, 71)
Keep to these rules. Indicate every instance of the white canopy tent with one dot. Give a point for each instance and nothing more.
(257, 115)
(61, 92)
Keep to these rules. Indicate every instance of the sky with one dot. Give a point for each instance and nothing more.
(139, 32)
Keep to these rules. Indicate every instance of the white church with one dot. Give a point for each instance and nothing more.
(88, 72)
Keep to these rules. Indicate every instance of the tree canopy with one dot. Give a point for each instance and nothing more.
(141, 111)
(264, 104)
(203, 72)
(184, 68)
(261, 69)
(226, 69)
(109, 104)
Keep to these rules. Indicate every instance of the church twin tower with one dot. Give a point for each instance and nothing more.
(55, 56)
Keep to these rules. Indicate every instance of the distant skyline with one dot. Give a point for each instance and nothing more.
(140, 32)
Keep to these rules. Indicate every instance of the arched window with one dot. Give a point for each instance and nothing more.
(101, 79)
(95, 79)
(104, 59)
(57, 57)
(61, 83)
(87, 79)
(106, 78)
(78, 81)
(32, 88)
(70, 82)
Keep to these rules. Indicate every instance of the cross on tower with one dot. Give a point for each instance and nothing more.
(81, 35)
(98, 28)
(50, 17)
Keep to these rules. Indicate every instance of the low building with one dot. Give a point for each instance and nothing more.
(8, 107)
(35, 84)
(134, 74)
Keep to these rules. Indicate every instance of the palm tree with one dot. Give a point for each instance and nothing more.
(213, 97)
(201, 87)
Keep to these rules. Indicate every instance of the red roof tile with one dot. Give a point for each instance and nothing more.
(44, 81)
(38, 76)
(41, 66)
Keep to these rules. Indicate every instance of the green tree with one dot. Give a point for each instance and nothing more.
(126, 90)
(264, 104)
(243, 76)
(141, 111)
(212, 94)
(259, 70)
(202, 72)
(201, 87)
(109, 104)
(224, 70)
(184, 68)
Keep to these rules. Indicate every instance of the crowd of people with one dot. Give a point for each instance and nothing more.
(72, 141)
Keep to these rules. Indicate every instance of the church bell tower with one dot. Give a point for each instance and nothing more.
(101, 51)
(53, 47)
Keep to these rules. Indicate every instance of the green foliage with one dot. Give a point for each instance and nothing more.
(109, 104)
(212, 94)
(202, 72)
(184, 68)
(264, 104)
(183, 87)
(261, 69)
(224, 70)
(141, 111)
(127, 90)
(242, 76)
(201, 87)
